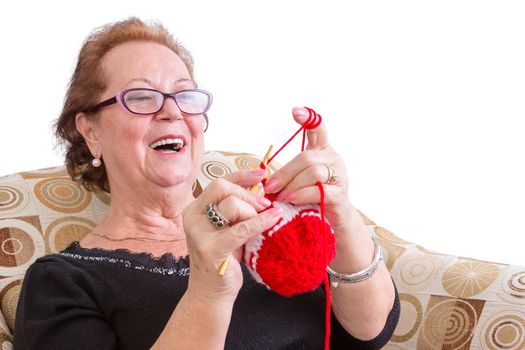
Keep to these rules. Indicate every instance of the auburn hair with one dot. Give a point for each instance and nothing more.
(87, 84)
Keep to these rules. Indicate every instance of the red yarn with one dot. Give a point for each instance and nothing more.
(270, 196)
(291, 257)
(303, 266)
(313, 121)
(325, 279)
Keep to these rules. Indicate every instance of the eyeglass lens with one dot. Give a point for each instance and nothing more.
(149, 101)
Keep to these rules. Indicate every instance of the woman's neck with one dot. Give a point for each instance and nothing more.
(145, 215)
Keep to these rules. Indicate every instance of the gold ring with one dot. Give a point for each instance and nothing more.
(332, 176)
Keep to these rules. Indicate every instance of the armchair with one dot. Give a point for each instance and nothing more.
(447, 302)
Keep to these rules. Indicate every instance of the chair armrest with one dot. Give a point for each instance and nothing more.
(453, 302)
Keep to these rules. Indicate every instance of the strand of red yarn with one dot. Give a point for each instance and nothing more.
(325, 278)
(313, 121)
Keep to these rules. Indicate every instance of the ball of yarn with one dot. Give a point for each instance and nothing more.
(291, 257)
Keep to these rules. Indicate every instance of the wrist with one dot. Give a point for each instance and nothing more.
(353, 257)
(343, 218)
(209, 302)
(357, 276)
(354, 245)
(352, 231)
(207, 293)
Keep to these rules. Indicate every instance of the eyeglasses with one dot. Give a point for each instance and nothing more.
(149, 101)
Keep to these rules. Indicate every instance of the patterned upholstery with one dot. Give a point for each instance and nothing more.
(447, 302)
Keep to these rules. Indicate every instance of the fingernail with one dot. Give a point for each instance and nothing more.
(281, 195)
(271, 186)
(301, 112)
(258, 172)
(263, 201)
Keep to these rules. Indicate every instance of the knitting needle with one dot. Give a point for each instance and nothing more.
(224, 263)
(255, 188)
(223, 266)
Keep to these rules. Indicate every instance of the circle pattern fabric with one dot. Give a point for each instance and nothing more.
(196, 189)
(411, 321)
(9, 299)
(62, 195)
(469, 278)
(390, 252)
(513, 286)
(505, 330)
(415, 273)
(45, 173)
(16, 247)
(248, 162)
(245, 162)
(449, 324)
(60, 233)
(13, 199)
(21, 244)
(215, 169)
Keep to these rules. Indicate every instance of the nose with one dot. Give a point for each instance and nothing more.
(170, 110)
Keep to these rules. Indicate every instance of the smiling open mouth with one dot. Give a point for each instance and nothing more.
(168, 145)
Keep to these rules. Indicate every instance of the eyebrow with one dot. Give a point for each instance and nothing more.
(149, 82)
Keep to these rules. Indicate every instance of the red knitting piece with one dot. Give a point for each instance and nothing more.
(291, 257)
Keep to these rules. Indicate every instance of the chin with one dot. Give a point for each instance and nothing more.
(174, 179)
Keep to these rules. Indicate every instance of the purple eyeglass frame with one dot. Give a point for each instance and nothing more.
(119, 99)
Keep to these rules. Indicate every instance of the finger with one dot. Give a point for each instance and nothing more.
(235, 209)
(317, 137)
(282, 177)
(311, 195)
(221, 188)
(309, 177)
(238, 234)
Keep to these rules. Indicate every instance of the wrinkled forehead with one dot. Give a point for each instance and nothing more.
(144, 63)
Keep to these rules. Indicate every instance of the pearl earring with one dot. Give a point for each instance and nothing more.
(96, 162)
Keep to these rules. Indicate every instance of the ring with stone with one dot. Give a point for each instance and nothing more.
(215, 216)
(332, 176)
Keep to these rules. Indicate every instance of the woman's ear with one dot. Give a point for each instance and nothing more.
(87, 128)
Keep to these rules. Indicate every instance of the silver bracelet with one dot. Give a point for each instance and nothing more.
(361, 275)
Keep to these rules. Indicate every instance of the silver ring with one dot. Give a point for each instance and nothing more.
(332, 177)
(215, 217)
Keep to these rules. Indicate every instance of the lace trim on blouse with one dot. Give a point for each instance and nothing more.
(165, 265)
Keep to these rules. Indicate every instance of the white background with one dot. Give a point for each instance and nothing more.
(424, 99)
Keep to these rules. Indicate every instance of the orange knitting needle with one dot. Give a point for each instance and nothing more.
(223, 266)
(255, 188)
(224, 263)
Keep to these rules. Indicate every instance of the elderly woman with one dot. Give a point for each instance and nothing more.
(133, 123)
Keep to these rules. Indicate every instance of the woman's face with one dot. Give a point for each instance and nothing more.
(126, 140)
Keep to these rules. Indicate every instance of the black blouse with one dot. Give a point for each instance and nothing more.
(114, 299)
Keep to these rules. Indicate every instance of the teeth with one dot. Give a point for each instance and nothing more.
(175, 141)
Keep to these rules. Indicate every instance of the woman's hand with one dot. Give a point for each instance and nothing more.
(209, 246)
(361, 308)
(295, 182)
